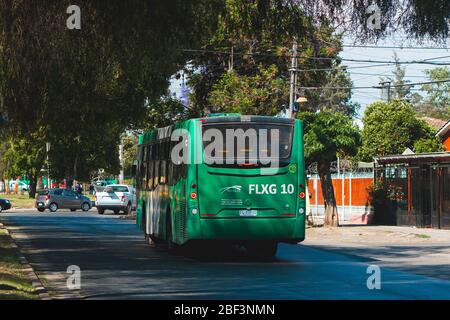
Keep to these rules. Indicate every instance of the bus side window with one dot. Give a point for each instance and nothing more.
(143, 170)
(150, 168)
(156, 166)
(163, 156)
(171, 166)
(138, 169)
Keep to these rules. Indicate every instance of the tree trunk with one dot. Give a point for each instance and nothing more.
(331, 213)
(33, 184)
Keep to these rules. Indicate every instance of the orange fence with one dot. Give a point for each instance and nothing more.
(355, 191)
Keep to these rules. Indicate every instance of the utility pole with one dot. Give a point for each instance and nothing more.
(386, 90)
(121, 174)
(47, 147)
(293, 70)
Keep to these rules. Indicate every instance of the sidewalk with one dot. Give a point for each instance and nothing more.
(422, 251)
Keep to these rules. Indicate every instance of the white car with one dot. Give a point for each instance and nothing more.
(116, 197)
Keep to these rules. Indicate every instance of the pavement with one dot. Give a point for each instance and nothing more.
(115, 263)
(421, 251)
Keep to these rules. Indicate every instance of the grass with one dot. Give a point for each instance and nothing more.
(19, 201)
(14, 281)
(423, 236)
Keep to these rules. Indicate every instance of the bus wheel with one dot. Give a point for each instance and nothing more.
(262, 249)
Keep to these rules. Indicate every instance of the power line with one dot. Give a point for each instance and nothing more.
(394, 47)
(375, 87)
(425, 61)
(383, 75)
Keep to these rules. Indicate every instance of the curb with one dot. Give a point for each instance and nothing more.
(35, 281)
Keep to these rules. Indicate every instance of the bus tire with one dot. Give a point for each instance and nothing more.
(262, 249)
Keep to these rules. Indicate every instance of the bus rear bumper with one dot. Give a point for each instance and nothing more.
(290, 230)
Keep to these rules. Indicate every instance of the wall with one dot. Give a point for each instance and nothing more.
(446, 141)
(351, 196)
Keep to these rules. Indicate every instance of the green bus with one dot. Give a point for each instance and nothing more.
(249, 203)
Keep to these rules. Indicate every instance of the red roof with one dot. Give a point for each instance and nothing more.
(434, 123)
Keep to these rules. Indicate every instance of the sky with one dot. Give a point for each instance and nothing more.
(371, 76)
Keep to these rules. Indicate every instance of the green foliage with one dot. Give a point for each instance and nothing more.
(265, 93)
(166, 111)
(383, 197)
(261, 34)
(390, 128)
(427, 145)
(80, 89)
(330, 98)
(399, 91)
(328, 134)
(129, 142)
(436, 102)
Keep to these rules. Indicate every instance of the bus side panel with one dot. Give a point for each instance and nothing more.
(299, 230)
(180, 199)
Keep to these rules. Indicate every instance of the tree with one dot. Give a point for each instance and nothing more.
(25, 158)
(80, 89)
(391, 127)
(328, 134)
(166, 111)
(399, 89)
(335, 94)
(264, 93)
(436, 101)
(129, 141)
(261, 34)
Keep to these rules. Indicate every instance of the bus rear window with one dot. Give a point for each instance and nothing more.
(247, 144)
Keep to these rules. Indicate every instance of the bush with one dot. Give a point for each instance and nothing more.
(383, 198)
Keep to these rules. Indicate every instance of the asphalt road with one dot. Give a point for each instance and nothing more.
(115, 263)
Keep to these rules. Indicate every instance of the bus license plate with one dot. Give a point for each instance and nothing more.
(248, 213)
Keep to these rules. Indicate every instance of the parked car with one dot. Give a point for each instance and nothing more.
(54, 199)
(116, 197)
(5, 204)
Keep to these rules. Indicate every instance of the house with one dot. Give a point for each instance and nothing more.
(444, 134)
(442, 128)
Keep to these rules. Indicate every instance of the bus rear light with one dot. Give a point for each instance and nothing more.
(301, 211)
(302, 195)
(302, 186)
(194, 211)
(193, 195)
(193, 186)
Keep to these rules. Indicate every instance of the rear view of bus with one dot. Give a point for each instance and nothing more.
(250, 184)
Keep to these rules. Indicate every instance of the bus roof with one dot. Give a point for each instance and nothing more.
(161, 133)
